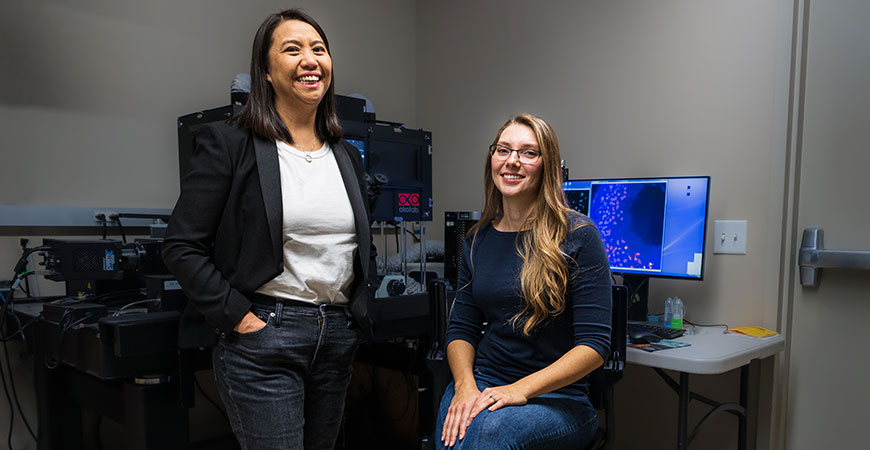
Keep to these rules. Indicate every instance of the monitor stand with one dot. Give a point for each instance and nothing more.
(638, 296)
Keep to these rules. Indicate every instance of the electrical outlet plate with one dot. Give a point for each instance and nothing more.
(729, 236)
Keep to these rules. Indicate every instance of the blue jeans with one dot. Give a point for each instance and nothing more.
(284, 386)
(551, 421)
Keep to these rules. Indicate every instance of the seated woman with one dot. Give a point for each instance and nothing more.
(532, 310)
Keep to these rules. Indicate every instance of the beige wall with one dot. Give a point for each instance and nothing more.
(91, 89)
(633, 89)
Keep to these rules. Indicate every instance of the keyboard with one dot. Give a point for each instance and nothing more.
(658, 330)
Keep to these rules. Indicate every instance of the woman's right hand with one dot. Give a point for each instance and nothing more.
(249, 324)
(457, 419)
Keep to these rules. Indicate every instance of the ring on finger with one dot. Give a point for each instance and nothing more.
(493, 398)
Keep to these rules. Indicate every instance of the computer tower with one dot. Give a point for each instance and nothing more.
(456, 226)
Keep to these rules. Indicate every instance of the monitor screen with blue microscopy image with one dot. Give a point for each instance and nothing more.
(359, 144)
(649, 226)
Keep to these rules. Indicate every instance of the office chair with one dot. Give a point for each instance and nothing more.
(601, 380)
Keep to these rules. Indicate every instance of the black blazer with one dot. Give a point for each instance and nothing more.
(224, 239)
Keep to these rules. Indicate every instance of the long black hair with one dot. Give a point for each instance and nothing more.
(259, 113)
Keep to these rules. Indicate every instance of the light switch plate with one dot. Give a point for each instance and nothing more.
(729, 236)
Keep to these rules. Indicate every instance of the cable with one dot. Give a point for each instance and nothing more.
(25, 288)
(3, 377)
(70, 326)
(696, 325)
(398, 228)
(20, 272)
(139, 302)
(117, 219)
(123, 293)
(11, 410)
(5, 312)
(21, 265)
(25, 276)
(50, 361)
(20, 329)
(15, 393)
(109, 297)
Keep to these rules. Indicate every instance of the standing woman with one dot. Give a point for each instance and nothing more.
(536, 274)
(271, 241)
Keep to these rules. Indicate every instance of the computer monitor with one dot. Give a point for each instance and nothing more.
(650, 227)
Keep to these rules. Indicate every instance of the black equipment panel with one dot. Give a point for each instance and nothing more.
(456, 226)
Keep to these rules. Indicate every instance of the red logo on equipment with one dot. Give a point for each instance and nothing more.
(409, 199)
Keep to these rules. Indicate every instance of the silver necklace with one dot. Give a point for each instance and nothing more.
(307, 156)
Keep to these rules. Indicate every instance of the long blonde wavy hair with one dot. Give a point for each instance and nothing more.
(544, 276)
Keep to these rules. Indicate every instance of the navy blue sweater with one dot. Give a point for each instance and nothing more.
(494, 296)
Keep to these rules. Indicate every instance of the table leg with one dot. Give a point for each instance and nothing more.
(744, 402)
(683, 413)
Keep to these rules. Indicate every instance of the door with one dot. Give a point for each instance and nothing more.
(829, 351)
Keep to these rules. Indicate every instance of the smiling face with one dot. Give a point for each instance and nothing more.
(515, 180)
(300, 68)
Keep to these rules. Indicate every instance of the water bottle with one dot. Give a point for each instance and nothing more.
(669, 312)
(677, 311)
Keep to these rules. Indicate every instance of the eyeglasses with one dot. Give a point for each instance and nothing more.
(527, 155)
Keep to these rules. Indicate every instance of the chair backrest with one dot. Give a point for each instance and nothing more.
(602, 379)
(618, 325)
(611, 370)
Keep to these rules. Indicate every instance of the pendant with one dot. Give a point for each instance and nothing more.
(308, 157)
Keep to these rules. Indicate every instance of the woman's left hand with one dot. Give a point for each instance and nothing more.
(497, 397)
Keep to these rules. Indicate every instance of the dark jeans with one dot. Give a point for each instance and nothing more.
(284, 386)
(552, 421)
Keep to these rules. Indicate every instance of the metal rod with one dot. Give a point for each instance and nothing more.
(423, 255)
(812, 257)
(725, 407)
(384, 248)
(405, 252)
(683, 413)
(670, 381)
(744, 402)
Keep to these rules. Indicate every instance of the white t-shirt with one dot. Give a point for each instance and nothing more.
(319, 231)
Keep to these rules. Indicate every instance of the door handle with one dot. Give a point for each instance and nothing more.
(812, 258)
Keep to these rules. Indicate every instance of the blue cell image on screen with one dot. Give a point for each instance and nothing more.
(578, 200)
(649, 226)
(630, 219)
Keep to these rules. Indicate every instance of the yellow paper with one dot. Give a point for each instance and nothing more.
(759, 332)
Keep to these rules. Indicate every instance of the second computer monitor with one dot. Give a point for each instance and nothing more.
(649, 226)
